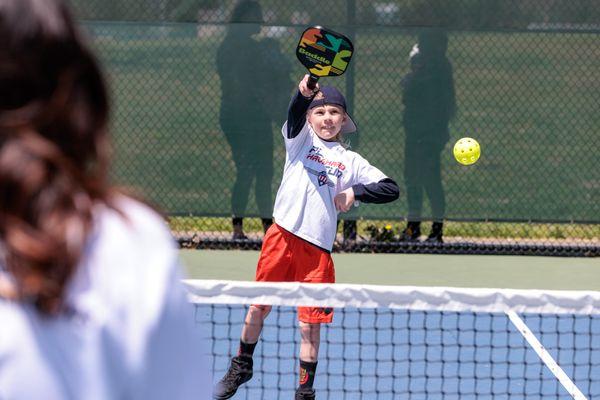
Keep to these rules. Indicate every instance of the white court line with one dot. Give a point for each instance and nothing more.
(545, 356)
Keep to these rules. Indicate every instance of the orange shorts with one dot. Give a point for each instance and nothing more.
(285, 257)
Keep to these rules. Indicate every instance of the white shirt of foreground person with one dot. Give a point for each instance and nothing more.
(130, 334)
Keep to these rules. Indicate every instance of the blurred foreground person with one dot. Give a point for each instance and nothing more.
(91, 304)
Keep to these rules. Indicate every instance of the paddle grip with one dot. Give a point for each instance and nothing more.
(312, 82)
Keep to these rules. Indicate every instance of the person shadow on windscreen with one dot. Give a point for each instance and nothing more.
(429, 105)
(253, 75)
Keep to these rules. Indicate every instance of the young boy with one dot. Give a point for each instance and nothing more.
(320, 179)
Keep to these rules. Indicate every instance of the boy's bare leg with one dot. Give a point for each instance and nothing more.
(253, 323)
(310, 341)
(240, 369)
(309, 352)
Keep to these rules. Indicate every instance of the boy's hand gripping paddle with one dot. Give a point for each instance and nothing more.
(324, 53)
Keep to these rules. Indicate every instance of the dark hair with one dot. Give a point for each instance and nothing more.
(53, 147)
(247, 11)
(433, 42)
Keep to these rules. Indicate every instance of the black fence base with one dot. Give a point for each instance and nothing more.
(528, 249)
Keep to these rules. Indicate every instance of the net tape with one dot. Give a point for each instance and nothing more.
(395, 297)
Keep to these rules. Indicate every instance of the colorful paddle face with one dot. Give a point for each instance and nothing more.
(324, 52)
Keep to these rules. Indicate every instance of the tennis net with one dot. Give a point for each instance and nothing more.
(391, 342)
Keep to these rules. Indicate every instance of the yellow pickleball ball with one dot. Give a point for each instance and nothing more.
(467, 151)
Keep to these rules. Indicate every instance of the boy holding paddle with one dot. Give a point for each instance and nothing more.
(320, 179)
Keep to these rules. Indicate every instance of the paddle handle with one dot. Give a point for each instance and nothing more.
(312, 81)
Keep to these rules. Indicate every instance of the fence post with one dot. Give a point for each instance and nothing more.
(350, 22)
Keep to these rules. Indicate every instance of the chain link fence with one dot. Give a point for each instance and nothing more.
(200, 93)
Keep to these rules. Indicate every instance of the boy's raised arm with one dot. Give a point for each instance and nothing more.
(298, 107)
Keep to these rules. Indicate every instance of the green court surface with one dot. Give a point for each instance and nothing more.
(517, 272)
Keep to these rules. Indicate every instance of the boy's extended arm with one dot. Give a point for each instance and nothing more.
(384, 191)
(297, 114)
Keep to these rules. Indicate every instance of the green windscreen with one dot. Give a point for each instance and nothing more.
(200, 95)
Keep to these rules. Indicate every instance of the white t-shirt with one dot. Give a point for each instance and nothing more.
(315, 172)
(131, 335)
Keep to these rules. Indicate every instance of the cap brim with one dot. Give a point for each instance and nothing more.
(349, 126)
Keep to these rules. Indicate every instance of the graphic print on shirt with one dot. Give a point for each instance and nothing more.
(332, 168)
(322, 178)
